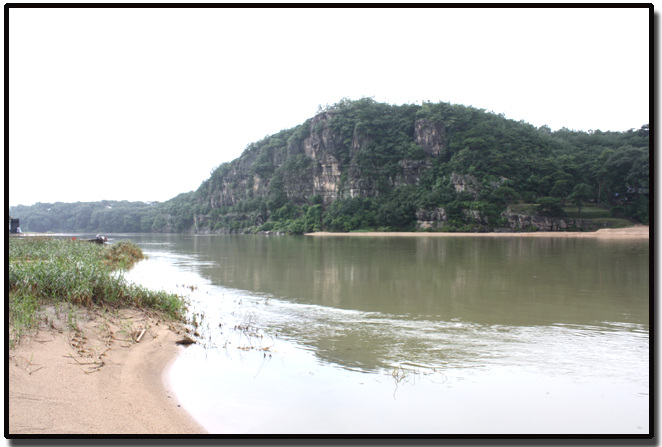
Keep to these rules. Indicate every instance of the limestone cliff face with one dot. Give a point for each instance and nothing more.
(431, 136)
(467, 183)
(236, 184)
(318, 161)
(323, 147)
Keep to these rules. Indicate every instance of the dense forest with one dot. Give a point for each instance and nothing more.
(365, 165)
(106, 216)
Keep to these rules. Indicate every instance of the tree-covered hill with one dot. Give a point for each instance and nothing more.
(368, 165)
(85, 217)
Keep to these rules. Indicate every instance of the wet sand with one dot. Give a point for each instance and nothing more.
(97, 380)
(635, 232)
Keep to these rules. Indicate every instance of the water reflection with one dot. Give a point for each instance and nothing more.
(367, 302)
(532, 316)
(490, 281)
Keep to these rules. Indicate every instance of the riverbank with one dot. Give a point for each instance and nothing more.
(634, 232)
(97, 378)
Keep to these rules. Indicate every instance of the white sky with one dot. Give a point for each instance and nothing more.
(142, 104)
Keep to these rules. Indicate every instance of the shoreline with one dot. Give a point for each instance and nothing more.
(96, 379)
(635, 232)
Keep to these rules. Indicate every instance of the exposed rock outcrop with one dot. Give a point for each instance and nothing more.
(411, 171)
(323, 148)
(525, 222)
(431, 220)
(436, 220)
(431, 136)
(466, 182)
(330, 172)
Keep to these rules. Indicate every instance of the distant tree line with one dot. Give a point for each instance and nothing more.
(88, 217)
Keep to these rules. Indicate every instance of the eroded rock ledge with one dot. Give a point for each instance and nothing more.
(437, 219)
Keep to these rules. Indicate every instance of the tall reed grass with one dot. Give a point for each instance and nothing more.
(79, 273)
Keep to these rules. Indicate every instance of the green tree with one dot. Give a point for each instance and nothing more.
(560, 190)
(504, 194)
(550, 206)
(580, 193)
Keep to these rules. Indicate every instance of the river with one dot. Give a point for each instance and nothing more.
(412, 335)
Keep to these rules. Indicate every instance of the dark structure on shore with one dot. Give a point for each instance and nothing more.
(99, 239)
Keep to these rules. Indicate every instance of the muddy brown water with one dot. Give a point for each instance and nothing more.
(419, 335)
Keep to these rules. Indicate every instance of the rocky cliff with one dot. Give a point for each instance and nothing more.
(372, 165)
(318, 161)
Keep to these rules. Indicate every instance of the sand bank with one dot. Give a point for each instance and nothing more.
(635, 232)
(97, 380)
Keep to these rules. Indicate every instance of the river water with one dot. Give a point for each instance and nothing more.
(420, 335)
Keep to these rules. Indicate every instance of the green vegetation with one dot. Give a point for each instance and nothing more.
(84, 217)
(386, 164)
(46, 270)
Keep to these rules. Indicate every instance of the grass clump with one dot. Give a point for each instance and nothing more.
(77, 273)
(123, 255)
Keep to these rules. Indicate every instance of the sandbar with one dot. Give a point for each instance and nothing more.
(634, 232)
(96, 379)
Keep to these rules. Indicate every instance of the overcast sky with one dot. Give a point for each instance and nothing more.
(142, 104)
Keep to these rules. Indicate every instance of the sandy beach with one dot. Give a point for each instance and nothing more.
(634, 232)
(97, 380)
